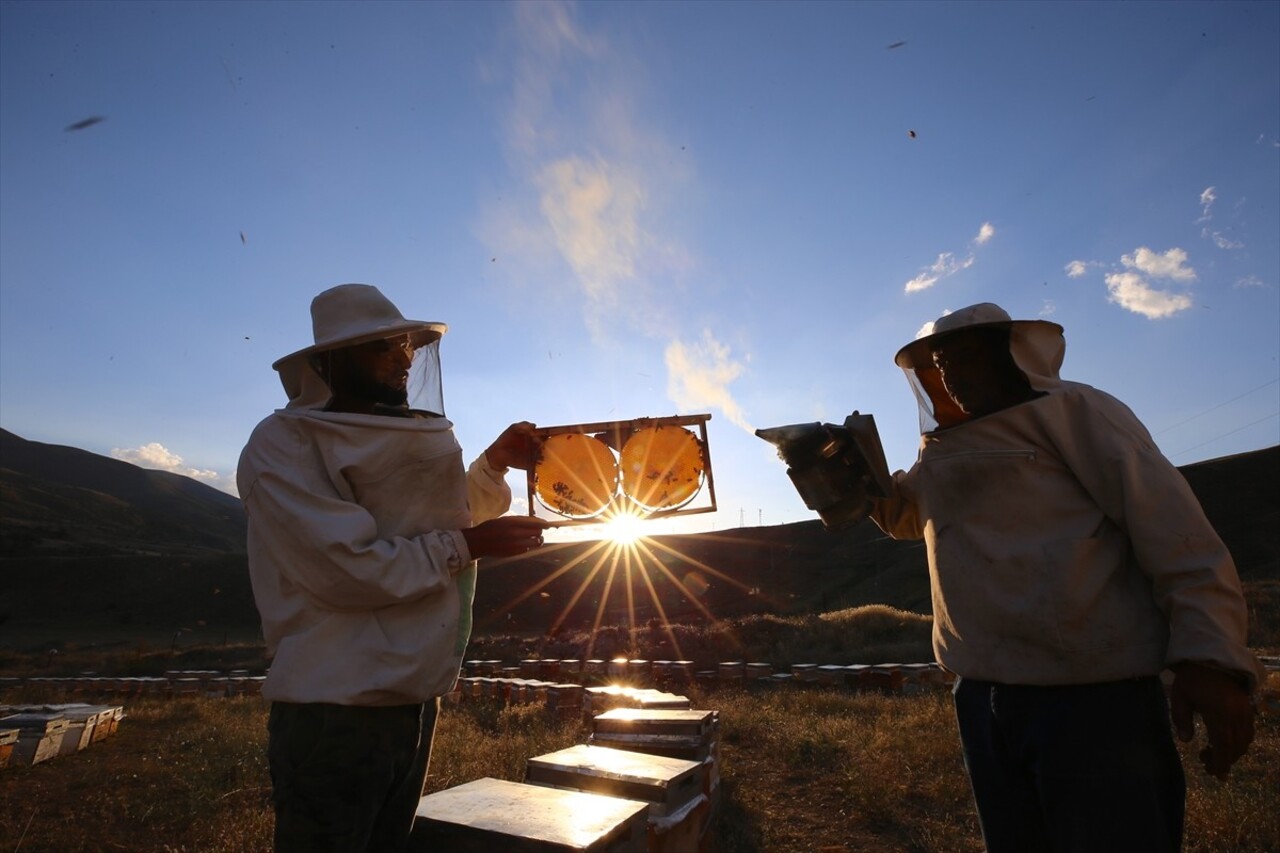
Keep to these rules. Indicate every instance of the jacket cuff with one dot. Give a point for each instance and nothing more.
(461, 556)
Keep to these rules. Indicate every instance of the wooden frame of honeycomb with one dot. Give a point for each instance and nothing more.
(648, 467)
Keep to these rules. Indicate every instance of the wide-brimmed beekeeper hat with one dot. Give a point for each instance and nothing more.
(918, 353)
(352, 314)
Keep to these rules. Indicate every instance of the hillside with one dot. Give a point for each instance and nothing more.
(64, 501)
(99, 544)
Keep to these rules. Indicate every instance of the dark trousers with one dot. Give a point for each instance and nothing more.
(347, 778)
(1080, 768)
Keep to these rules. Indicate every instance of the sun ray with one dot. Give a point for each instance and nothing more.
(690, 560)
(604, 598)
(577, 595)
(694, 598)
(657, 601)
(542, 584)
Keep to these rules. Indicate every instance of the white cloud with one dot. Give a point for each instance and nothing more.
(1170, 265)
(1049, 308)
(699, 374)
(1222, 241)
(592, 175)
(593, 211)
(157, 457)
(1250, 281)
(946, 265)
(1075, 269)
(1207, 198)
(1131, 291)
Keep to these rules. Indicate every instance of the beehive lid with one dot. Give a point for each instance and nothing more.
(664, 721)
(503, 814)
(37, 722)
(666, 782)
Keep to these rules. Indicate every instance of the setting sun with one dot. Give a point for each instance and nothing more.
(623, 528)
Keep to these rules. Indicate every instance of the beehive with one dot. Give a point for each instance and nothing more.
(494, 814)
(39, 736)
(673, 788)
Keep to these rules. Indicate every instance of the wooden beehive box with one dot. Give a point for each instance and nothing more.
(673, 788)
(8, 741)
(666, 784)
(690, 735)
(496, 815)
(657, 722)
(82, 722)
(39, 736)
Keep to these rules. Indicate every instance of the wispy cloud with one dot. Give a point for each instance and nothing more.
(593, 183)
(593, 210)
(947, 264)
(1219, 237)
(1076, 269)
(699, 374)
(157, 457)
(1207, 197)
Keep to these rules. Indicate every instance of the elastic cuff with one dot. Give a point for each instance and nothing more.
(461, 556)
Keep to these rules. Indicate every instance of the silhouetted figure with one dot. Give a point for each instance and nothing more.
(1070, 564)
(363, 531)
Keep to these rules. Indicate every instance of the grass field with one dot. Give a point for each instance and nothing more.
(802, 770)
(809, 768)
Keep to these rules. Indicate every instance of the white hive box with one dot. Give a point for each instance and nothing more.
(673, 788)
(666, 784)
(39, 736)
(687, 734)
(82, 722)
(690, 734)
(490, 815)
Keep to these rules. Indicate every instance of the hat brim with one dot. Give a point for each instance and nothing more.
(420, 332)
(918, 353)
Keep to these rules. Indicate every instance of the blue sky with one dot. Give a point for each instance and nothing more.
(635, 209)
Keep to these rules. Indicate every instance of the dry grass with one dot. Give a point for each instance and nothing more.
(804, 768)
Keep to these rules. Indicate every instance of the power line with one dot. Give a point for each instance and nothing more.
(1225, 434)
(1215, 408)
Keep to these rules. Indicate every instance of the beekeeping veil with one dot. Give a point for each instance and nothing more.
(352, 314)
(1037, 347)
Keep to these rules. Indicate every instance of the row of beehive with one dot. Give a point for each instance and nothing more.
(889, 677)
(647, 780)
(175, 683)
(565, 700)
(30, 734)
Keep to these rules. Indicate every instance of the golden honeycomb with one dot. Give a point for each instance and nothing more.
(662, 467)
(576, 475)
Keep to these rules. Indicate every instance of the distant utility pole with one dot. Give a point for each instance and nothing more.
(742, 517)
(759, 518)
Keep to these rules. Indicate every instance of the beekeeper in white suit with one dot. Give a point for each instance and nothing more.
(364, 528)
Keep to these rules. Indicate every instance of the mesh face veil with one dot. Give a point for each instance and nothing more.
(426, 384)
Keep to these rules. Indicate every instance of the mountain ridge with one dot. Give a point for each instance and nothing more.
(145, 551)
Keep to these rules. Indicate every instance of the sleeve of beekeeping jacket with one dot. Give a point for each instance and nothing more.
(488, 494)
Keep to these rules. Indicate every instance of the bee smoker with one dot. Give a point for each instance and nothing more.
(837, 470)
